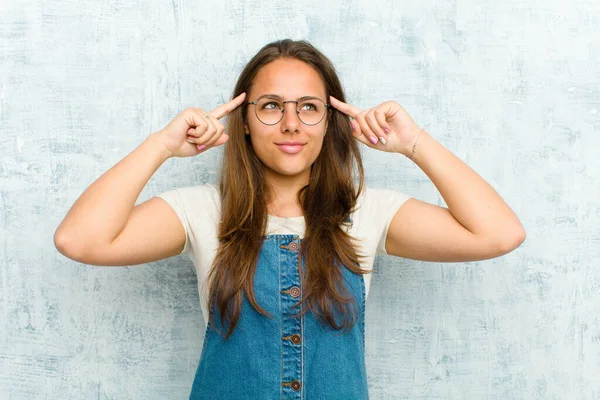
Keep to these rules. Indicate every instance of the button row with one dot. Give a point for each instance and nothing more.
(294, 291)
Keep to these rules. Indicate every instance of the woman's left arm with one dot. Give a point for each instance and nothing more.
(477, 224)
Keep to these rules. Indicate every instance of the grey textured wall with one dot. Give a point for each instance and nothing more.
(510, 87)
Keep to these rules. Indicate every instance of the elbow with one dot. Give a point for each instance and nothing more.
(67, 246)
(62, 243)
(519, 236)
(513, 240)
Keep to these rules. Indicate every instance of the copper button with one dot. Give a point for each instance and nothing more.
(294, 291)
(296, 339)
(293, 246)
(296, 385)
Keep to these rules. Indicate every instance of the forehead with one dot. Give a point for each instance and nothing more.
(289, 79)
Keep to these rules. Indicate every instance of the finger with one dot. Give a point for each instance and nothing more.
(345, 108)
(220, 129)
(382, 121)
(380, 116)
(191, 133)
(228, 107)
(373, 122)
(220, 140)
(197, 124)
(195, 139)
(195, 133)
(356, 132)
(210, 131)
(359, 136)
(365, 128)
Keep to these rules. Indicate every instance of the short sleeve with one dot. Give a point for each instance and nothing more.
(194, 206)
(175, 199)
(383, 205)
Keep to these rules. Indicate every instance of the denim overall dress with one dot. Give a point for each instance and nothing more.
(284, 357)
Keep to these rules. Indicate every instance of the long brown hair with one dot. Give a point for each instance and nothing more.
(326, 201)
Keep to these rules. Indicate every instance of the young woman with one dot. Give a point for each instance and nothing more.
(284, 245)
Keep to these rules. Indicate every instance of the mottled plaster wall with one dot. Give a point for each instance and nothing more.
(511, 87)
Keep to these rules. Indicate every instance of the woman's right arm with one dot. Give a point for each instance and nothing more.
(103, 227)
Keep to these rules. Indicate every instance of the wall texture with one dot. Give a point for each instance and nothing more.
(510, 87)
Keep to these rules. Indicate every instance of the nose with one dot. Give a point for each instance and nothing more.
(290, 121)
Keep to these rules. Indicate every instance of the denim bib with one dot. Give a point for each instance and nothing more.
(283, 357)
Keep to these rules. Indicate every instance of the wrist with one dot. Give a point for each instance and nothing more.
(411, 149)
(155, 140)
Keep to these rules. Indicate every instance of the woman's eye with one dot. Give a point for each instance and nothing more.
(271, 106)
(309, 107)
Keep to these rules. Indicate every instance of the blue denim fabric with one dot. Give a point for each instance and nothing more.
(283, 357)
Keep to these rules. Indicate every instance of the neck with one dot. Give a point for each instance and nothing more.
(282, 196)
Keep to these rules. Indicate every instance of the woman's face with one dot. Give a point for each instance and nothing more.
(289, 79)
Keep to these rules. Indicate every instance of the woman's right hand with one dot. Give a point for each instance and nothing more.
(190, 130)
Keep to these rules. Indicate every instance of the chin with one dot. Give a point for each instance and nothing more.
(288, 171)
(294, 172)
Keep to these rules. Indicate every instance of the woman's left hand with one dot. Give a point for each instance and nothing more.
(388, 120)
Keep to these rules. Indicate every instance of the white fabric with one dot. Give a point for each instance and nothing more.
(198, 208)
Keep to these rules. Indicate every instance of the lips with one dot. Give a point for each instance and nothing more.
(290, 148)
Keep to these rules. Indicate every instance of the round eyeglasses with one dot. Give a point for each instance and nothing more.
(269, 110)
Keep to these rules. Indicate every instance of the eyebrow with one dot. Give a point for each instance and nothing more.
(278, 97)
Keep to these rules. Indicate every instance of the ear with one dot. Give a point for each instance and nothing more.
(246, 130)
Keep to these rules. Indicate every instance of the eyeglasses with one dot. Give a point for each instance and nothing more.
(269, 110)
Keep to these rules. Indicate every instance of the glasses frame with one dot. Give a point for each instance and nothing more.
(327, 107)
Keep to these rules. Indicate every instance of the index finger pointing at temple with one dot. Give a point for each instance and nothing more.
(228, 107)
(345, 108)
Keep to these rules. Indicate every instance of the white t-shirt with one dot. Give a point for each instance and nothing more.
(198, 208)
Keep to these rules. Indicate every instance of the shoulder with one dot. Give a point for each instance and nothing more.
(207, 192)
(195, 199)
(381, 200)
(375, 210)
